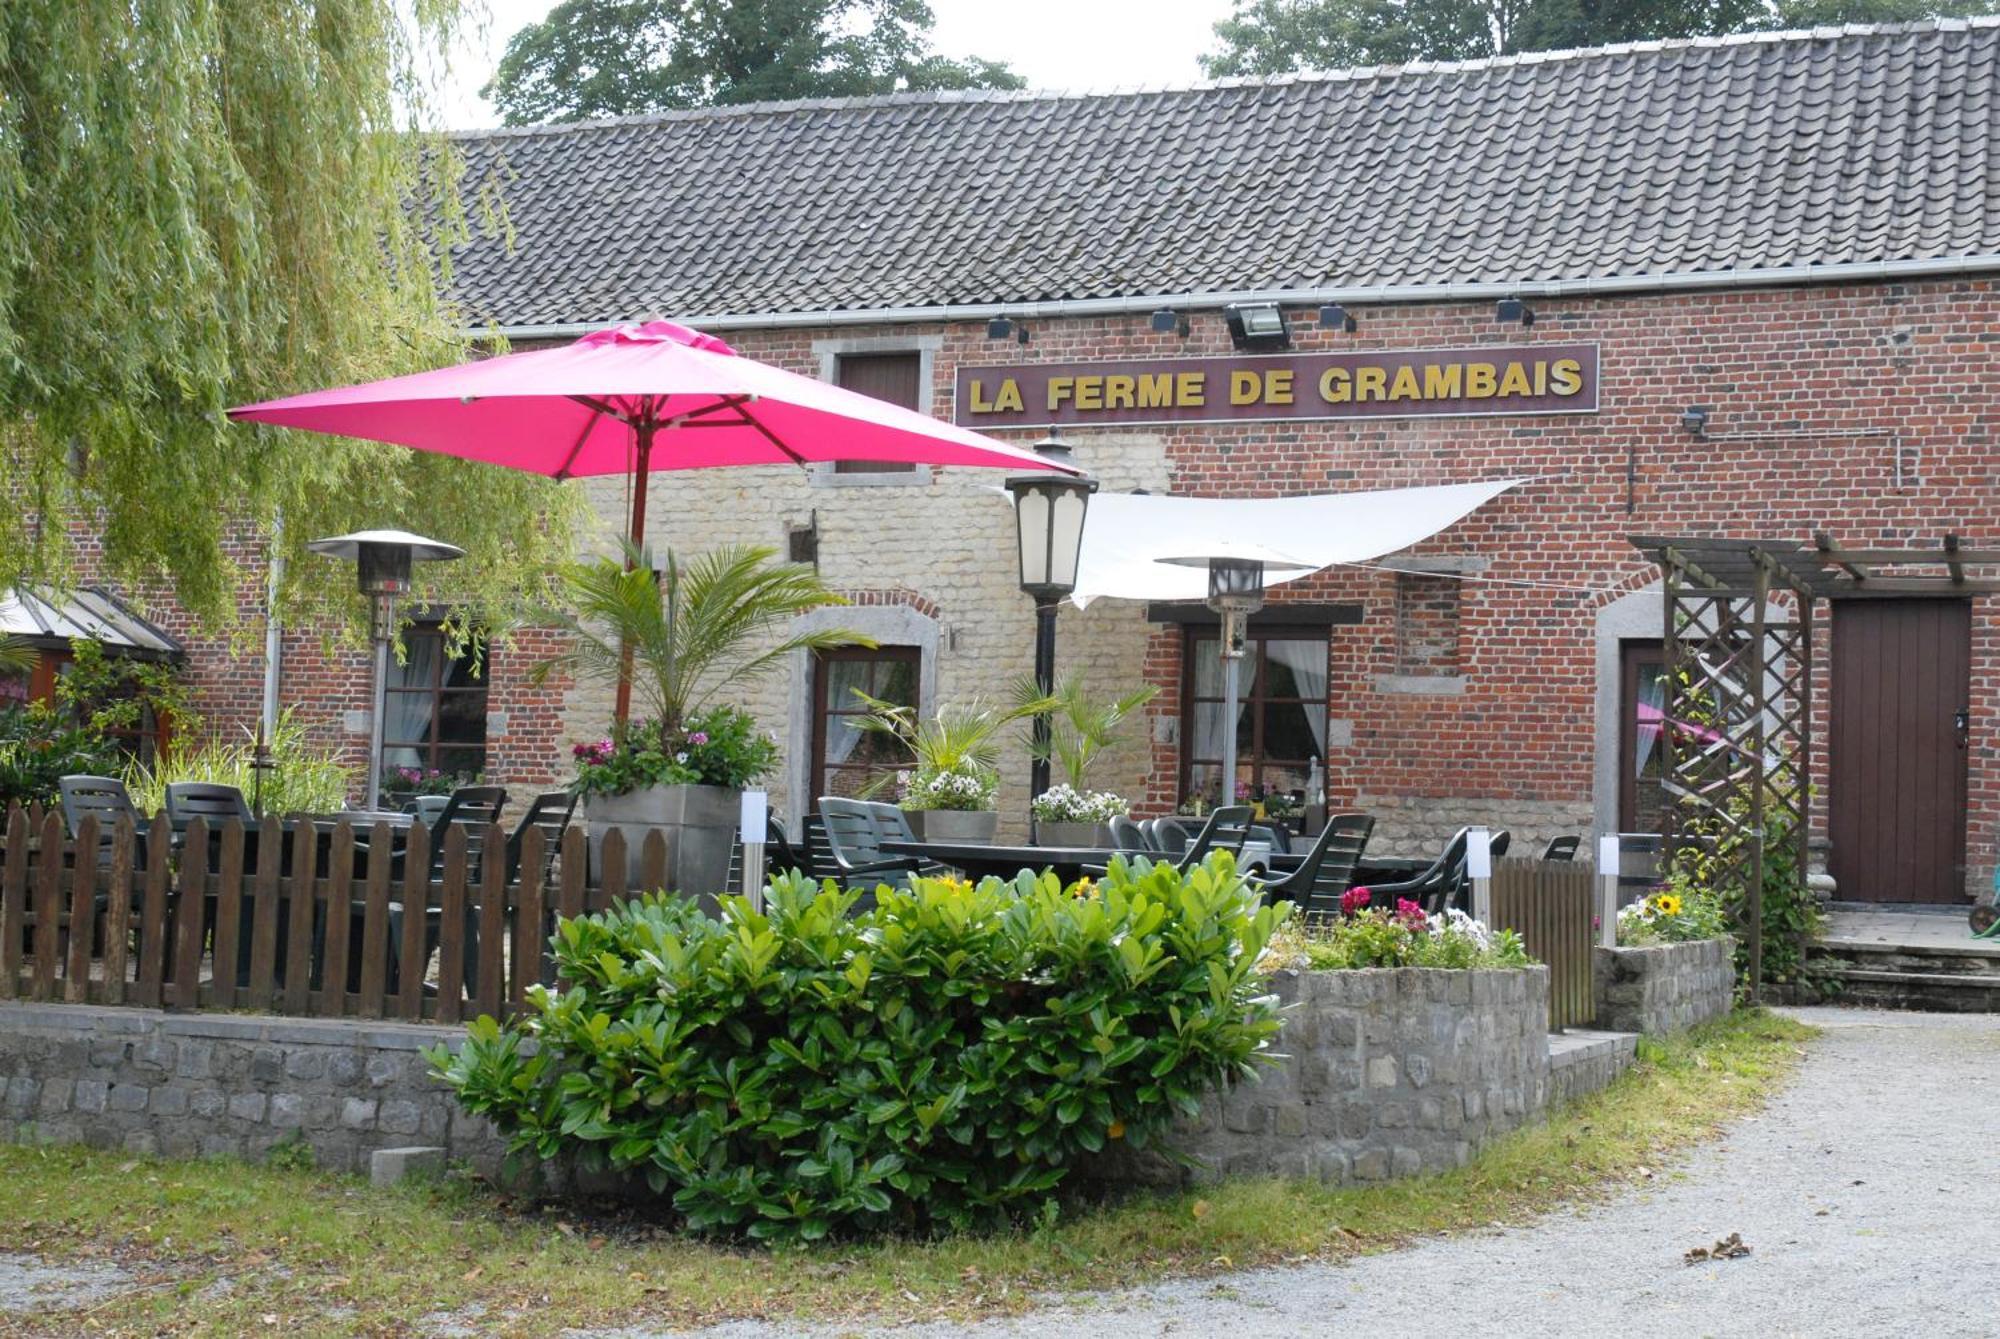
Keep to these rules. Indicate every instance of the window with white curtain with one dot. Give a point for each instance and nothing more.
(1281, 712)
(436, 713)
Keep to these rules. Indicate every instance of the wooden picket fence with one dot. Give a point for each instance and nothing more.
(90, 920)
(1552, 905)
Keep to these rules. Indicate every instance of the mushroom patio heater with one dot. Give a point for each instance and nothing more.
(1048, 518)
(382, 560)
(1235, 591)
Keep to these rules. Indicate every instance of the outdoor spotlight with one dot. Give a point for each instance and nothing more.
(1020, 333)
(1257, 326)
(1165, 320)
(1513, 311)
(1333, 316)
(999, 328)
(1695, 419)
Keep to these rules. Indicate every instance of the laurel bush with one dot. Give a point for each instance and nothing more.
(936, 1061)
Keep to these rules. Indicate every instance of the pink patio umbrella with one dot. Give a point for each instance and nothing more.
(633, 399)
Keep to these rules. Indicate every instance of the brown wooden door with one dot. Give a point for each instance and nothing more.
(1901, 678)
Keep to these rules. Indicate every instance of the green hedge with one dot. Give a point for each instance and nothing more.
(933, 1061)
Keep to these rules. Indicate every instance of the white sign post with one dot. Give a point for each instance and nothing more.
(1609, 863)
(1479, 868)
(755, 822)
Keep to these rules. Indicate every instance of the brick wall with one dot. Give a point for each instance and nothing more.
(1905, 374)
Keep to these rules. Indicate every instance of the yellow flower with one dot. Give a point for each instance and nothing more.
(1084, 887)
(1667, 904)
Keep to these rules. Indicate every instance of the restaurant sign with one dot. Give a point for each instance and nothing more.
(1389, 383)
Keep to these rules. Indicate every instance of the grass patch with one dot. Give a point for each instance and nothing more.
(223, 1248)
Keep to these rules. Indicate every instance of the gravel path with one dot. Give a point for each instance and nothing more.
(1864, 1190)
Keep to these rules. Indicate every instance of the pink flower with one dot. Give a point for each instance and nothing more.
(1354, 901)
(698, 737)
(1410, 914)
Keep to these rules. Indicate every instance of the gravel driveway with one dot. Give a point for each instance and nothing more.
(1865, 1192)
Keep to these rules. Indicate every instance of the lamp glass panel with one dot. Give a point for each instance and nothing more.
(1066, 536)
(1031, 516)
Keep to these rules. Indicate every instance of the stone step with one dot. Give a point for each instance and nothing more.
(1938, 992)
(1968, 958)
(1582, 1060)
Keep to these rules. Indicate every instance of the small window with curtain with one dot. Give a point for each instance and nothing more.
(845, 758)
(1280, 717)
(895, 377)
(436, 715)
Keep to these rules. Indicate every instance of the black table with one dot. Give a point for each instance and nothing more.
(976, 861)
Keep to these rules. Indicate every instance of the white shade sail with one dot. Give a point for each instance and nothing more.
(1127, 535)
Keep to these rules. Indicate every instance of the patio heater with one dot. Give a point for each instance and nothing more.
(1048, 520)
(382, 560)
(1235, 591)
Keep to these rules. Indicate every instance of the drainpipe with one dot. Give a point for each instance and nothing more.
(274, 633)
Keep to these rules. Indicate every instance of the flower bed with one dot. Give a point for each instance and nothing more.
(1386, 1072)
(1661, 988)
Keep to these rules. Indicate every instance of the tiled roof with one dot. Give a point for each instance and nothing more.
(1765, 151)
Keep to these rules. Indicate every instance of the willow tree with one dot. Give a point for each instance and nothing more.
(204, 203)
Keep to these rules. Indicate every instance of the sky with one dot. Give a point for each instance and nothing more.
(1059, 44)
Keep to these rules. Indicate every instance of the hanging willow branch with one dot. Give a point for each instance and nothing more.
(206, 203)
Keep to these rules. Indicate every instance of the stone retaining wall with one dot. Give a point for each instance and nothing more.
(1665, 987)
(229, 1085)
(1384, 1073)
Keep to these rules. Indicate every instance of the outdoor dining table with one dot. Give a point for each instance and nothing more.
(976, 861)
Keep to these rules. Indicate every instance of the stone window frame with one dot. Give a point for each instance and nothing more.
(926, 347)
(1456, 564)
(889, 625)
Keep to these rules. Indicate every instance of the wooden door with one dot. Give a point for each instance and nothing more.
(1901, 681)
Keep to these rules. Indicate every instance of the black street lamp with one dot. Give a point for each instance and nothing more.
(1048, 518)
(382, 561)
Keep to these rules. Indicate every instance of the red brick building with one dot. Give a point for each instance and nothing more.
(1781, 251)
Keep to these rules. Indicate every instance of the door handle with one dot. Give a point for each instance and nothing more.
(1961, 721)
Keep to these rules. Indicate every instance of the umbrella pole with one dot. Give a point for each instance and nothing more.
(642, 473)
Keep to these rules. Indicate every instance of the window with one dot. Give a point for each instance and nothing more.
(846, 758)
(436, 716)
(895, 377)
(1281, 712)
(1641, 749)
(1427, 625)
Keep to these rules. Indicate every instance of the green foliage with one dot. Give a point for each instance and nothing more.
(1402, 938)
(1081, 724)
(720, 747)
(623, 57)
(937, 1061)
(307, 777)
(1264, 37)
(1792, 917)
(38, 746)
(204, 204)
(291, 1154)
(706, 624)
(107, 693)
(18, 656)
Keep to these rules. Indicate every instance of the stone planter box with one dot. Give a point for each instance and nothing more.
(698, 822)
(1665, 987)
(1386, 1072)
(976, 827)
(1072, 834)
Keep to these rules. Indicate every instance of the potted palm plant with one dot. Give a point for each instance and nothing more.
(949, 789)
(1081, 726)
(699, 628)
